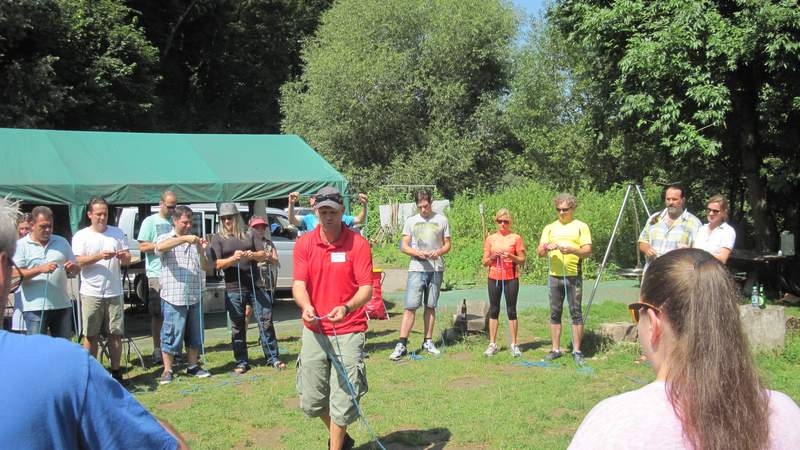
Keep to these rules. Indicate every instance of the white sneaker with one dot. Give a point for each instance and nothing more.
(399, 351)
(428, 345)
(515, 351)
(491, 350)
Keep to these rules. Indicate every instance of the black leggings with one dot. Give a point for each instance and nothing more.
(496, 288)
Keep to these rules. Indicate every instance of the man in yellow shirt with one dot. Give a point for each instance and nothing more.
(566, 242)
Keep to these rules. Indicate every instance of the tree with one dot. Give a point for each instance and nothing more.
(712, 87)
(224, 61)
(407, 91)
(74, 64)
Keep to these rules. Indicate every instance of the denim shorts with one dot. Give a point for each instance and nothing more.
(180, 323)
(423, 287)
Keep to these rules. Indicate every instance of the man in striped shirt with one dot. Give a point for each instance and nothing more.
(669, 229)
(183, 267)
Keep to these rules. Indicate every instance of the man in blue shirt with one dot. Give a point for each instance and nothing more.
(68, 401)
(45, 260)
(310, 220)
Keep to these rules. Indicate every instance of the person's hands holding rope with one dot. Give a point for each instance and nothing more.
(202, 244)
(337, 314)
(309, 315)
(293, 197)
(48, 267)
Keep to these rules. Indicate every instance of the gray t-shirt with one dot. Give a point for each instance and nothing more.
(427, 235)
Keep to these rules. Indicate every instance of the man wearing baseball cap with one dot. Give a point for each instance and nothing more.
(332, 283)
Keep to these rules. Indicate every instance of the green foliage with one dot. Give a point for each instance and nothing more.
(532, 208)
(75, 64)
(409, 89)
(701, 90)
(224, 61)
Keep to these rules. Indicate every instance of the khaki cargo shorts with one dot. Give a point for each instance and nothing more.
(318, 384)
(101, 315)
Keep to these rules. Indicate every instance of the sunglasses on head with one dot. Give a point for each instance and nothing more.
(335, 197)
(636, 308)
(503, 221)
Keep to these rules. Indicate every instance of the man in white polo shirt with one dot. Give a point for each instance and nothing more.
(100, 249)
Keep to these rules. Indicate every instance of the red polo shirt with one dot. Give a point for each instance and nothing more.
(333, 272)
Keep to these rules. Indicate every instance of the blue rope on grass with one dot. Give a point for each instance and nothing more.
(338, 363)
(544, 364)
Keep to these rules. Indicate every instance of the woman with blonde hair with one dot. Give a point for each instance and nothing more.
(237, 252)
(716, 237)
(707, 393)
(503, 253)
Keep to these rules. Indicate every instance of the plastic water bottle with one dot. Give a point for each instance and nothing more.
(754, 296)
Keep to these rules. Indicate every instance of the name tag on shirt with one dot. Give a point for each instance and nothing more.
(337, 257)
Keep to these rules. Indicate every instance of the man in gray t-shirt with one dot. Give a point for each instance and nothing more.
(426, 237)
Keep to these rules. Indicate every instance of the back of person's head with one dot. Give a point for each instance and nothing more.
(712, 381)
(8, 226)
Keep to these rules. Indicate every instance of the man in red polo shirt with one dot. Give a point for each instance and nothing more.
(332, 281)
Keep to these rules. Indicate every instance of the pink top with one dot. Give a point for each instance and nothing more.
(618, 422)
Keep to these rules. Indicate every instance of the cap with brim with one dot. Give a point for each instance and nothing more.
(330, 203)
(228, 209)
(257, 221)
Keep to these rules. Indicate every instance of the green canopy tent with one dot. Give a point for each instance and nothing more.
(69, 167)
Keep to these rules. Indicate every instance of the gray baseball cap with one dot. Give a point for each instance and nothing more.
(330, 197)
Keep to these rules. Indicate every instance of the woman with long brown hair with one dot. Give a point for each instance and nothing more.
(707, 394)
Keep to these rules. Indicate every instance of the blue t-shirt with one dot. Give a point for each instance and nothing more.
(310, 221)
(56, 396)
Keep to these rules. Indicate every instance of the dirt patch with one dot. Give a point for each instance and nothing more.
(468, 382)
(177, 405)
(246, 388)
(460, 356)
(291, 403)
(263, 438)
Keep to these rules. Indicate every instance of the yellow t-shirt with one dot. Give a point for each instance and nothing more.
(573, 234)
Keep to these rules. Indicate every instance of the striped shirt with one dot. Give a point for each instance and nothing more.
(181, 273)
(664, 238)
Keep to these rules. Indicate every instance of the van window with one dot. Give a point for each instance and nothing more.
(197, 223)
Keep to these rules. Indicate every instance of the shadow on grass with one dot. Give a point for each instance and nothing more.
(594, 342)
(433, 439)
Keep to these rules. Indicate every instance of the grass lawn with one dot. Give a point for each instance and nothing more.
(461, 400)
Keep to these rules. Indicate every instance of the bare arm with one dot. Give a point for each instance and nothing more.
(724, 254)
(362, 198)
(292, 217)
(405, 247)
(146, 247)
(582, 251)
(645, 248)
(303, 301)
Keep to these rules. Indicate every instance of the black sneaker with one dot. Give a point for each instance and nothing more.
(197, 371)
(554, 354)
(166, 378)
(157, 359)
(348, 443)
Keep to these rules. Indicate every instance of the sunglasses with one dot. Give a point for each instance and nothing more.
(335, 197)
(563, 209)
(636, 308)
(16, 277)
(715, 211)
(503, 222)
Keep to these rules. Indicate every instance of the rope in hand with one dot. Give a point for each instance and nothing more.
(338, 363)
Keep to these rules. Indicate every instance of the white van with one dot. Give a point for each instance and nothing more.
(205, 222)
